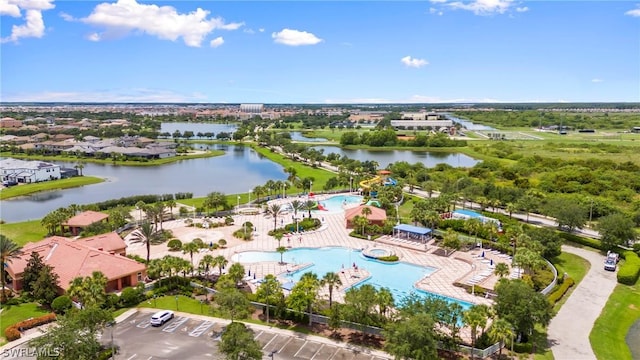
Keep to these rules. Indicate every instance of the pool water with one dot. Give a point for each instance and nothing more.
(398, 277)
(379, 252)
(336, 204)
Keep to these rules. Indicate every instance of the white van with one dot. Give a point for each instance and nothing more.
(161, 317)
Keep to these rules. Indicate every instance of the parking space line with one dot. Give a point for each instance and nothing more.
(175, 324)
(317, 351)
(201, 328)
(144, 324)
(337, 350)
(300, 349)
(132, 356)
(285, 344)
(267, 344)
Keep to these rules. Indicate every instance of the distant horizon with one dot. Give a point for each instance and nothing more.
(320, 52)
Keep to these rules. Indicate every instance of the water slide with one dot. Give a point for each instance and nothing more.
(366, 184)
(321, 207)
(390, 181)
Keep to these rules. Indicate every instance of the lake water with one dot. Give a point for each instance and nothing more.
(386, 157)
(170, 127)
(298, 136)
(238, 171)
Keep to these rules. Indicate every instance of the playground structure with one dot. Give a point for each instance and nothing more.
(382, 178)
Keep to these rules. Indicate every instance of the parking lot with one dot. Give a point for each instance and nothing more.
(194, 337)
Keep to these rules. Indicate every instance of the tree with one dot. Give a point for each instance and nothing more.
(258, 190)
(451, 241)
(569, 213)
(274, 210)
(220, 261)
(412, 338)
(501, 331)
(45, 288)
(90, 290)
(231, 301)
(366, 211)
(360, 304)
(236, 272)
(304, 293)
(528, 259)
(475, 317)
(75, 336)
(310, 205)
(190, 248)
(360, 222)
(238, 343)
(384, 300)
(32, 271)
(8, 250)
(523, 307)
(206, 262)
(297, 205)
(331, 280)
(501, 270)
(145, 234)
(270, 292)
(119, 216)
(616, 229)
(281, 250)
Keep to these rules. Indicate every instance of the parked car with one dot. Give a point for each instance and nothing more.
(613, 256)
(8, 183)
(610, 265)
(161, 317)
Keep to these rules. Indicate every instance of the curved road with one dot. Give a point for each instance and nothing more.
(569, 330)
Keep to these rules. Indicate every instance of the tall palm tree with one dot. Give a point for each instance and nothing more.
(297, 205)
(190, 248)
(501, 331)
(140, 205)
(221, 262)
(274, 210)
(8, 250)
(258, 190)
(331, 280)
(171, 204)
(207, 261)
(384, 299)
(145, 234)
(309, 205)
(475, 317)
(281, 250)
(366, 211)
(501, 270)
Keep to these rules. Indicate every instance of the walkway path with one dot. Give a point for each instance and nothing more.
(569, 330)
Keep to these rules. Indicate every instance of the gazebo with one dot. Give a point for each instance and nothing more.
(412, 232)
(377, 216)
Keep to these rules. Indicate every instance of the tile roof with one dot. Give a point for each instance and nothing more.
(86, 218)
(377, 214)
(107, 242)
(71, 259)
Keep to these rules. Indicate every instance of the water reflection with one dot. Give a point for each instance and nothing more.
(386, 157)
(299, 136)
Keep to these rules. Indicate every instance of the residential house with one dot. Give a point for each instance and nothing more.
(8, 122)
(76, 223)
(110, 242)
(23, 171)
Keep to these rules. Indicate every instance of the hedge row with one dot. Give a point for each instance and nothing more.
(13, 332)
(594, 243)
(555, 296)
(630, 269)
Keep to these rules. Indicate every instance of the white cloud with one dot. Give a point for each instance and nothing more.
(162, 21)
(483, 7)
(216, 42)
(33, 25)
(295, 37)
(94, 37)
(634, 12)
(414, 62)
(261, 30)
(522, 9)
(248, 31)
(596, 80)
(119, 95)
(435, 11)
(66, 16)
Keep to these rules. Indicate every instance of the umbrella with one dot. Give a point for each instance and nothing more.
(482, 254)
(254, 275)
(249, 272)
(491, 263)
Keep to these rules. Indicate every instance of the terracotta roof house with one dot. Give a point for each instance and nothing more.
(71, 259)
(109, 242)
(377, 216)
(82, 220)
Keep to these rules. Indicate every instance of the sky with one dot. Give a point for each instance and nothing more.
(320, 52)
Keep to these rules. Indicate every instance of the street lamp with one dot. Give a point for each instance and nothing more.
(350, 184)
(284, 186)
(238, 203)
(590, 211)
(310, 186)
(201, 302)
(249, 197)
(177, 303)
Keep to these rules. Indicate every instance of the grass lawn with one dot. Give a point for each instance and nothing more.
(320, 175)
(575, 266)
(184, 304)
(15, 313)
(621, 311)
(24, 232)
(26, 189)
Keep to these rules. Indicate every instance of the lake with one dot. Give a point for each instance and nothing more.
(238, 171)
(299, 136)
(386, 157)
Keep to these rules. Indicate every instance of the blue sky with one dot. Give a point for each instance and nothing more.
(320, 52)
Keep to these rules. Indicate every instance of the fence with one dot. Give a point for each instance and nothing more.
(550, 287)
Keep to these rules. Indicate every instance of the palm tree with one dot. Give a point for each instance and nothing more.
(274, 210)
(309, 205)
(206, 262)
(331, 280)
(384, 299)
(278, 235)
(8, 250)
(79, 167)
(190, 248)
(221, 262)
(475, 317)
(366, 211)
(145, 234)
(297, 205)
(281, 250)
(292, 174)
(501, 331)
(140, 205)
(360, 222)
(501, 270)
(511, 208)
(258, 190)
(170, 204)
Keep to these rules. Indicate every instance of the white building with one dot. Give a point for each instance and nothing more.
(22, 171)
(252, 108)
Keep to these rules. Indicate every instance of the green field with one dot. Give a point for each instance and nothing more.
(320, 175)
(183, 304)
(621, 311)
(575, 266)
(24, 231)
(26, 189)
(14, 313)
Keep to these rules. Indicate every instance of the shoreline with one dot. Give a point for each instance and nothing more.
(51, 185)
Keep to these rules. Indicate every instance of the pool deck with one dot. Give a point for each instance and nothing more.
(457, 267)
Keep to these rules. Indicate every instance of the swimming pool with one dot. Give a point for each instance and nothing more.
(398, 277)
(336, 203)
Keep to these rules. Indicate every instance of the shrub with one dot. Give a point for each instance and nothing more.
(61, 304)
(174, 245)
(390, 258)
(596, 244)
(555, 296)
(130, 296)
(13, 331)
(630, 270)
(241, 234)
(137, 258)
(111, 301)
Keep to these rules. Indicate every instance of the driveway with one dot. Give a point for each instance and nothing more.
(569, 330)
